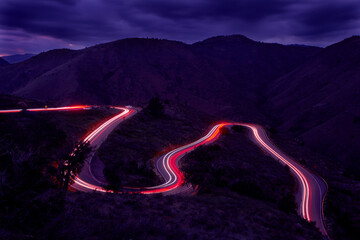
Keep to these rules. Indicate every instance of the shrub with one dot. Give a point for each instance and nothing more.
(155, 107)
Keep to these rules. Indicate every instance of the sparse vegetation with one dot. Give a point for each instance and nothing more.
(231, 187)
(30, 146)
(72, 164)
(235, 164)
(130, 151)
(28, 196)
(342, 223)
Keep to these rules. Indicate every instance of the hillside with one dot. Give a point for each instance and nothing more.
(319, 101)
(30, 146)
(235, 199)
(17, 75)
(317, 108)
(215, 75)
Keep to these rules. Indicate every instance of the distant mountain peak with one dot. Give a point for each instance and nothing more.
(136, 69)
(227, 38)
(18, 57)
(138, 41)
(348, 42)
(3, 62)
(353, 39)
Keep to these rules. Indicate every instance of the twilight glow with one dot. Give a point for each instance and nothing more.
(35, 26)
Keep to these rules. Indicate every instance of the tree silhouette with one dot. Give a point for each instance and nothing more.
(72, 164)
(155, 107)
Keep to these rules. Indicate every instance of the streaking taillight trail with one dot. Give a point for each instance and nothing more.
(45, 109)
(167, 165)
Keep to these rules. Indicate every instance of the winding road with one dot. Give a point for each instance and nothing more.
(311, 191)
(45, 109)
(312, 188)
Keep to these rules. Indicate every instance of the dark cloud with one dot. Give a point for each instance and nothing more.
(59, 19)
(328, 18)
(248, 10)
(86, 22)
(41, 17)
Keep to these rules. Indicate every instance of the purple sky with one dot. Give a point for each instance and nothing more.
(40, 25)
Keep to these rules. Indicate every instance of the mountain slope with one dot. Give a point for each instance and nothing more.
(214, 75)
(322, 97)
(15, 76)
(318, 105)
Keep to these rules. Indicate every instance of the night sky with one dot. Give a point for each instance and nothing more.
(32, 26)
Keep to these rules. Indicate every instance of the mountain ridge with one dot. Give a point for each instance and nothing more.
(18, 57)
(211, 75)
(3, 62)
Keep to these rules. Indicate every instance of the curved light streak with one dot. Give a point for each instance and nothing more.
(68, 108)
(305, 206)
(167, 165)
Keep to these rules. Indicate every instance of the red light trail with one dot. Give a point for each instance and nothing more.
(312, 188)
